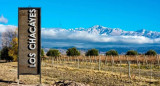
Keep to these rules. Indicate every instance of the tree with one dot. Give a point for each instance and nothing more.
(10, 44)
(13, 50)
(151, 52)
(92, 52)
(8, 35)
(112, 52)
(72, 52)
(53, 53)
(42, 52)
(5, 55)
(132, 52)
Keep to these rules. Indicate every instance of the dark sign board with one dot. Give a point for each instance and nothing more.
(29, 41)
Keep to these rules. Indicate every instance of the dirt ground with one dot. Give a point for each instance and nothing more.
(8, 77)
(67, 76)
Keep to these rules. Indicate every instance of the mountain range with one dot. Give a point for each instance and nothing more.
(101, 30)
(102, 38)
(99, 37)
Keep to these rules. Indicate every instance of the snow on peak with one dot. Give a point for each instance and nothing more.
(105, 31)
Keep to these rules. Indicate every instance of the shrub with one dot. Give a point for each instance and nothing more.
(132, 52)
(42, 53)
(13, 50)
(72, 52)
(151, 52)
(5, 55)
(53, 52)
(92, 52)
(112, 52)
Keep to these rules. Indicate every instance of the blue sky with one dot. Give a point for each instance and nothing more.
(125, 14)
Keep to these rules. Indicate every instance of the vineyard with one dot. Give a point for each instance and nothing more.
(123, 70)
(119, 70)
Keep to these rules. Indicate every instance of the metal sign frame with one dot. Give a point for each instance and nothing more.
(38, 39)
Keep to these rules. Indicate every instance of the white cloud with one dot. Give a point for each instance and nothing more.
(62, 37)
(4, 28)
(91, 37)
(3, 20)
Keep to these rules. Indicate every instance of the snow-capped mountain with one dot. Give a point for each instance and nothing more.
(101, 30)
(102, 38)
(117, 32)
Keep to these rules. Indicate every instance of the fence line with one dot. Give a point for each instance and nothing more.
(134, 66)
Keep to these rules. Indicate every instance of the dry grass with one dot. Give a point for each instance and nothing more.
(87, 73)
(114, 70)
(123, 58)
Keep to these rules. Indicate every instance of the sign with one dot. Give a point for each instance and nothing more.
(29, 41)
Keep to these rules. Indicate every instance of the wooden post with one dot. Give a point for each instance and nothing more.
(139, 69)
(95, 59)
(78, 63)
(105, 59)
(119, 58)
(158, 61)
(112, 63)
(137, 60)
(112, 60)
(126, 57)
(52, 61)
(42, 62)
(129, 75)
(146, 62)
(99, 67)
(90, 59)
(151, 72)
(120, 65)
(144, 59)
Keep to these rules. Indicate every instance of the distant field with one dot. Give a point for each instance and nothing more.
(122, 58)
(93, 71)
